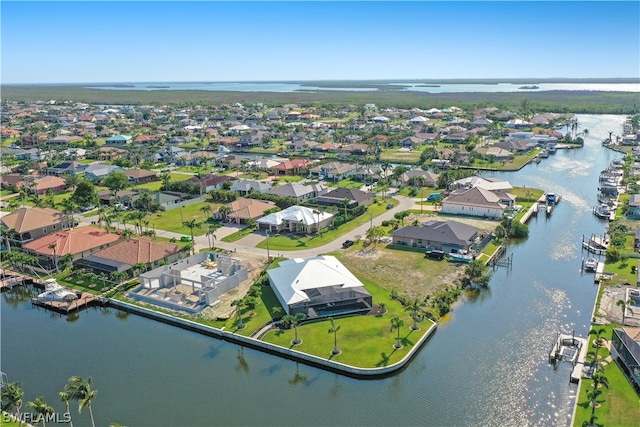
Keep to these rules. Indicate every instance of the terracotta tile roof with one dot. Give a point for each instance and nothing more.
(27, 219)
(138, 173)
(141, 249)
(292, 164)
(248, 208)
(72, 241)
(633, 332)
(47, 182)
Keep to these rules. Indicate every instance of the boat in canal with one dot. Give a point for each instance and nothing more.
(603, 211)
(591, 264)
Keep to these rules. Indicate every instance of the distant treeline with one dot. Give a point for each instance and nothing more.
(593, 102)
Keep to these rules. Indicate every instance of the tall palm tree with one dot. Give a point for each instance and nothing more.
(191, 224)
(64, 397)
(592, 395)
(41, 408)
(334, 330)
(397, 323)
(206, 210)
(224, 210)
(293, 321)
(12, 398)
(345, 203)
(7, 233)
(416, 312)
(238, 303)
(212, 237)
(81, 390)
(53, 247)
(68, 206)
(597, 341)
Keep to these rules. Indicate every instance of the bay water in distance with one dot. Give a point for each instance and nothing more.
(485, 365)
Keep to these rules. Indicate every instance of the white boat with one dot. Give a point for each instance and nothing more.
(461, 257)
(591, 264)
(603, 211)
(54, 292)
(566, 348)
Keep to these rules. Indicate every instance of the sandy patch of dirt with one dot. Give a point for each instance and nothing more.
(223, 310)
(610, 312)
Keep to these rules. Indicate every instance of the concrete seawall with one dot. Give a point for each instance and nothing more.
(352, 371)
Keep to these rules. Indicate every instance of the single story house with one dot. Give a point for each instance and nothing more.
(318, 287)
(126, 253)
(138, 176)
(291, 167)
(354, 196)
(296, 219)
(119, 141)
(299, 191)
(477, 202)
(245, 186)
(625, 350)
(334, 170)
(447, 236)
(243, 209)
(633, 208)
(78, 242)
(98, 171)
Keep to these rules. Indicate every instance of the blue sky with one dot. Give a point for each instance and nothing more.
(65, 42)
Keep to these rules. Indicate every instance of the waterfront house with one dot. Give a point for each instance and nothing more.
(191, 284)
(291, 167)
(296, 219)
(318, 287)
(78, 242)
(418, 177)
(477, 202)
(126, 253)
(633, 209)
(447, 236)
(334, 170)
(32, 223)
(625, 350)
(489, 184)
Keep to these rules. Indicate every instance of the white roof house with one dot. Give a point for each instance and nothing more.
(491, 184)
(297, 219)
(318, 286)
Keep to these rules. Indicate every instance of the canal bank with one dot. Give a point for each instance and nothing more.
(486, 365)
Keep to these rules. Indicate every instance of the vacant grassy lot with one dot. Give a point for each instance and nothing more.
(172, 220)
(410, 273)
(396, 156)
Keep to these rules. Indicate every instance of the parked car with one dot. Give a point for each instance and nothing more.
(389, 205)
(185, 239)
(347, 244)
(434, 197)
(434, 254)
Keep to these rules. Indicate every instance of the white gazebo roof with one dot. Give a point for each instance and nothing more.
(295, 214)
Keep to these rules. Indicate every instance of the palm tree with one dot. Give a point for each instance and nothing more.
(345, 203)
(293, 321)
(591, 422)
(191, 224)
(64, 397)
(624, 305)
(597, 342)
(206, 210)
(212, 237)
(127, 233)
(334, 329)
(80, 389)
(224, 210)
(592, 395)
(238, 303)
(41, 408)
(68, 206)
(12, 397)
(416, 312)
(397, 323)
(53, 247)
(7, 233)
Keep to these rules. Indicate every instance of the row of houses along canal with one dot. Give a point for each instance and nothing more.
(486, 364)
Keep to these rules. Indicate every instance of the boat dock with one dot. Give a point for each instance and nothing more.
(10, 279)
(580, 370)
(84, 300)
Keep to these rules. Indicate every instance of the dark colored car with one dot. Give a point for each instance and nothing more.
(435, 254)
(347, 244)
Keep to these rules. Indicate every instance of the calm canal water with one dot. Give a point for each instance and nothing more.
(486, 364)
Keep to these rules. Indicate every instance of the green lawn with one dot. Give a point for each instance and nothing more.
(155, 185)
(517, 163)
(395, 156)
(621, 271)
(365, 341)
(291, 242)
(284, 179)
(234, 237)
(345, 183)
(619, 402)
(78, 280)
(172, 220)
